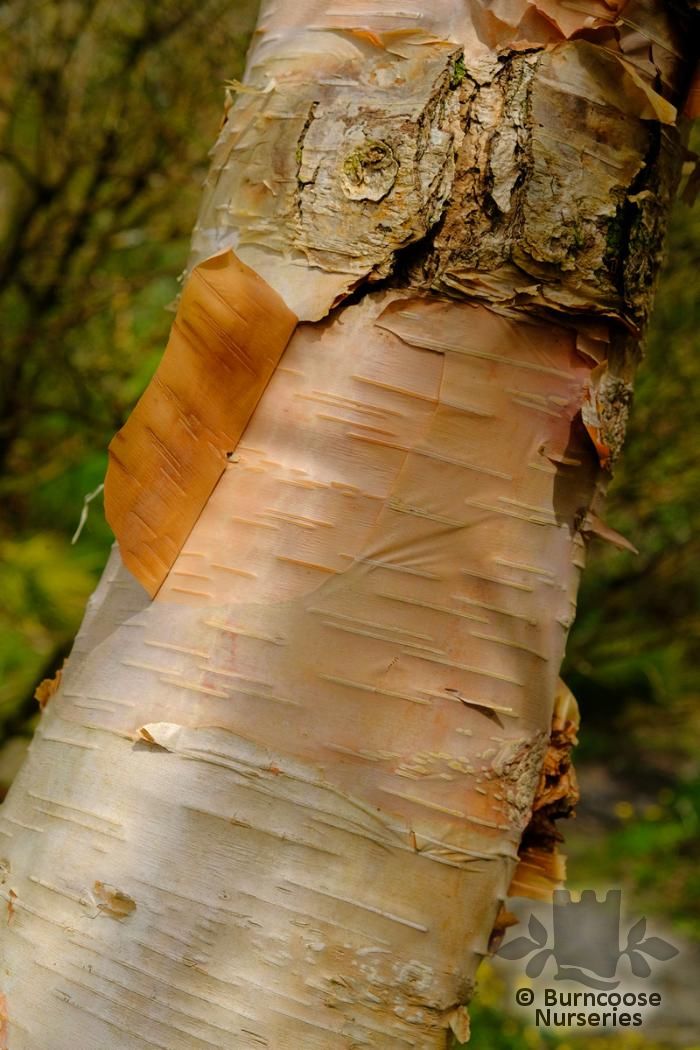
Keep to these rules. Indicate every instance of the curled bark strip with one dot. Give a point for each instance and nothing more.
(604, 412)
(460, 1024)
(542, 868)
(47, 687)
(228, 336)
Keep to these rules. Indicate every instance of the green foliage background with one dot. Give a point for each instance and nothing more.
(107, 110)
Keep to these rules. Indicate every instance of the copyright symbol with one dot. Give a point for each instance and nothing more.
(524, 997)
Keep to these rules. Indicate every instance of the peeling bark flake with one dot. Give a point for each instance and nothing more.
(460, 1024)
(113, 902)
(541, 868)
(228, 336)
(604, 411)
(47, 687)
(504, 920)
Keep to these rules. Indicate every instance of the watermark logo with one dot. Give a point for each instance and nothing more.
(586, 942)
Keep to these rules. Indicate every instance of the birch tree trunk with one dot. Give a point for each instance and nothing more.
(279, 797)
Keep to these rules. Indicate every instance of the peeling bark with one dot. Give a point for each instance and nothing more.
(227, 339)
(282, 804)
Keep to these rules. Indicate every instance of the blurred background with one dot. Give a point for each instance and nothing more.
(107, 111)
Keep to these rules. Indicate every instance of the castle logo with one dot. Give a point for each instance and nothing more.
(586, 942)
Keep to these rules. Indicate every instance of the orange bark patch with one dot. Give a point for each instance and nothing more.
(229, 334)
(4, 1017)
(47, 687)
